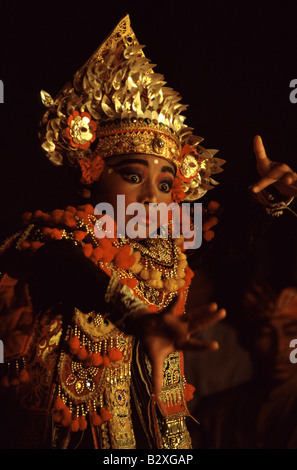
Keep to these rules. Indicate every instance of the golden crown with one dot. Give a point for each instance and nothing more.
(117, 105)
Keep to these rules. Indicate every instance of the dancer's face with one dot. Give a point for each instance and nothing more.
(145, 179)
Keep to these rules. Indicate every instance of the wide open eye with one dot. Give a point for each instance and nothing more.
(131, 175)
(133, 178)
(165, 186)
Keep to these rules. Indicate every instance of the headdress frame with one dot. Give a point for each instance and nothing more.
(117, 105)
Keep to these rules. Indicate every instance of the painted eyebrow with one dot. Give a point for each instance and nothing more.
(129, 161)
(168, 169)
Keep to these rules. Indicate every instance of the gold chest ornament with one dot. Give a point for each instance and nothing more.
(94, 377)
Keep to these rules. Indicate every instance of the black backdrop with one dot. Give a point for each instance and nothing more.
(231, 61)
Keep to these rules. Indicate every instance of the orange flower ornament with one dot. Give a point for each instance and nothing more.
(81, 130)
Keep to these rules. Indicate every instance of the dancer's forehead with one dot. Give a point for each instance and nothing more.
(149, 161)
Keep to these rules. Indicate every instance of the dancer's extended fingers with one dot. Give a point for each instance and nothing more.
(290, 179)
(202, 322)
(279, 173)
(263, 162)
(195, 344)
(202, 311)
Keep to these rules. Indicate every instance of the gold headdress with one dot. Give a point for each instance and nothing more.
(116, 105)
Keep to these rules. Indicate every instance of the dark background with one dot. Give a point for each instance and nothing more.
(231, 61)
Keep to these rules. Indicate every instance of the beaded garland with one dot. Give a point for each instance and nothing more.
(153, 268)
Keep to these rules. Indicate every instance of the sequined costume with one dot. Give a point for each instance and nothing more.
(69, 368)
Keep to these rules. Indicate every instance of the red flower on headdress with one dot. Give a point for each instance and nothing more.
(81, 130)
(178, 193)
(91, 169)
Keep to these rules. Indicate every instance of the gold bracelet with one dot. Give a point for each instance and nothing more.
(272, 208)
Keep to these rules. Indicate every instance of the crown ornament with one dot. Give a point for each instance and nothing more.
(116, 104)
